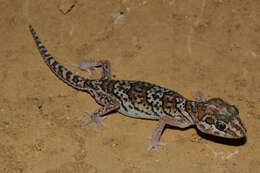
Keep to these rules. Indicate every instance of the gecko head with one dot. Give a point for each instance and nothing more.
(221, 119)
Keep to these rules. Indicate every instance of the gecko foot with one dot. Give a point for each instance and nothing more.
(155, 144)
(87, 65)
(95, 118)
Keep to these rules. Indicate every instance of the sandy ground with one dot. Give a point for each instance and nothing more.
(188, 46)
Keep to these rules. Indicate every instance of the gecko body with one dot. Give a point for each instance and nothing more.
(144, 100)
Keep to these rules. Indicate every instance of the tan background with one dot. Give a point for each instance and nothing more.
(207, 45)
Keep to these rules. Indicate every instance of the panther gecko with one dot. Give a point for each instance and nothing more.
(144, 100)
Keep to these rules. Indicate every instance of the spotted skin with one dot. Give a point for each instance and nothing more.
(144, 100)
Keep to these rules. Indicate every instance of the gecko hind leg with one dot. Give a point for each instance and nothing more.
(89, 66)
(98, 115)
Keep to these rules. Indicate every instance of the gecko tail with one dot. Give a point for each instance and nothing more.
(60, 71)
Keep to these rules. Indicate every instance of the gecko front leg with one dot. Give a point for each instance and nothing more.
(98, 115)
(173, 121)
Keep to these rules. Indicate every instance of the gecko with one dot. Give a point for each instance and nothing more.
(143, 100)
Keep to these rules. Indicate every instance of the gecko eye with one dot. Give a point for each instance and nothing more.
(221, 126)
(209, 120)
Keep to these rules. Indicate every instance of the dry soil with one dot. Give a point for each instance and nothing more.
(211, 46)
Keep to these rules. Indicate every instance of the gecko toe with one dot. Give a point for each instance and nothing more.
(88, 66)
(94, 119)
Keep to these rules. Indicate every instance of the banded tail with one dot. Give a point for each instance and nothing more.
(61, 72)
